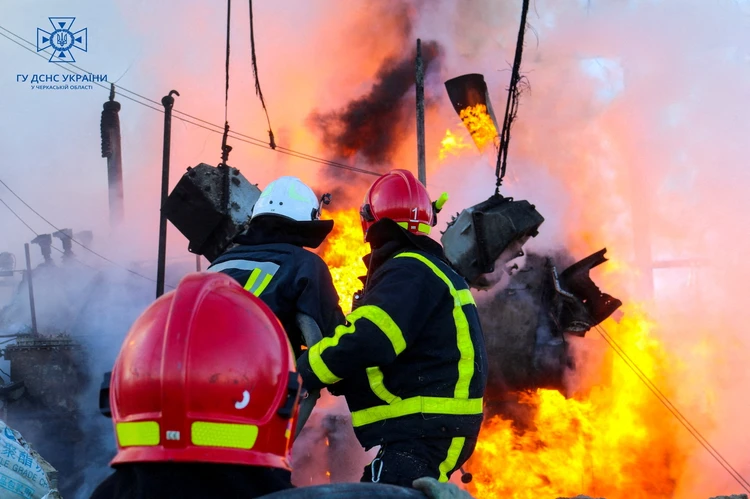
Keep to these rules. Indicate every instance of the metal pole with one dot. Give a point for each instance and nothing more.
(197, 263)
(167, 101)
(421, 166)
(31, 290)
(112, 150)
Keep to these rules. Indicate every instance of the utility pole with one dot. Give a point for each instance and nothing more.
(112, 150)
(34, 330)
(167, 101)
(421, 163)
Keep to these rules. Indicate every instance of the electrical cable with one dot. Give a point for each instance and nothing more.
(70, 237)
(218, 129)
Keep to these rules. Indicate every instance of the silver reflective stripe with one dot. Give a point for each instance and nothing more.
(267, 267)
(261, 273)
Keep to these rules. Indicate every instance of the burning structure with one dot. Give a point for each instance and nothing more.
(581, 149)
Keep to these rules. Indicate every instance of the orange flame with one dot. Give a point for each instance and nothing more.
(615, 442)
(343, 253)
(480, 125)
(452, 144)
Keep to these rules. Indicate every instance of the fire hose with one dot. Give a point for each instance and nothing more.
(311, 333)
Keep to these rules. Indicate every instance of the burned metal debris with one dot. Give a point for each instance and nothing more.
(475, 238)
(526, 323)
(210, 206)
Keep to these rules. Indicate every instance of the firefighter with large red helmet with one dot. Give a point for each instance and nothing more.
(411, 360)
(270, 259)
(203, 397)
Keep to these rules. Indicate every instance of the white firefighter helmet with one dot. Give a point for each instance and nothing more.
(288, 197)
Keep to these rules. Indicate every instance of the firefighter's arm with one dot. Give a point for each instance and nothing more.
(317, 297)
(392, 314)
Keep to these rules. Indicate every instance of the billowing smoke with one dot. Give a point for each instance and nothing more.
(633, 130)
(370, 128)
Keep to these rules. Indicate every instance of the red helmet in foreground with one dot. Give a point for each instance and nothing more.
(205, 374)
(398, 195)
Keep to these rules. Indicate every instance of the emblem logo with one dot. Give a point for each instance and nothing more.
(62, 39)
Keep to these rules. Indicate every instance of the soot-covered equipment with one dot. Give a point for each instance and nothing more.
(210, 206)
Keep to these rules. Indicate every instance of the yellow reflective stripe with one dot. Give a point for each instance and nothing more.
(141, 433)
(424, 228)
(375, 377)
(416, 405)
(319, 367)
(383, 321)
(374, 314)
(251, 280)
(263, 285)
(463, 335)
(233, 436)
(454, 451)
(465, 297)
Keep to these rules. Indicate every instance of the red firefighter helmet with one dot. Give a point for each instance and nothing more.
(402, 198)
(205, 374)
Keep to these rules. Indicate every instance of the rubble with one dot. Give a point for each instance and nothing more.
(50, 370)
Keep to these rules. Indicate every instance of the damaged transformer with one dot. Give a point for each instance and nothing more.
(475, 239)
(527, 322)
(210, 206)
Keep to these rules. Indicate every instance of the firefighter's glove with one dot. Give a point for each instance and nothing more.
(336, 389)
(438, 490)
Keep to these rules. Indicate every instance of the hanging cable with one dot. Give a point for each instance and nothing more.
(226, 65)
(258, 92)
(511, 107)
(182, 116)
(225, 149)
(671, 408)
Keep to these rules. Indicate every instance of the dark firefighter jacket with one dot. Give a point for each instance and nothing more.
(271, 263)
(191, 481)
(411, 361)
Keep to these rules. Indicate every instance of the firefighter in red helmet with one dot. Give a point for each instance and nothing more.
(411, 360)
(203, 397)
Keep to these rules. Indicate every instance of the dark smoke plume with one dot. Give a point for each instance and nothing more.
(373, 126)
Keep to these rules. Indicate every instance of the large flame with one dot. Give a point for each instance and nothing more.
(343, 253)
(480, 125)
(612, 440)
(616, 441)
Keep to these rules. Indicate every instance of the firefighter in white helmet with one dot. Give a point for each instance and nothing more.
(270, 261)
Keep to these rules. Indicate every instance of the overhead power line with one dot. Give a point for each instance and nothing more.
(671, 408)
(66, 235)
(36, 233)
(19, 217)
(186, 117)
